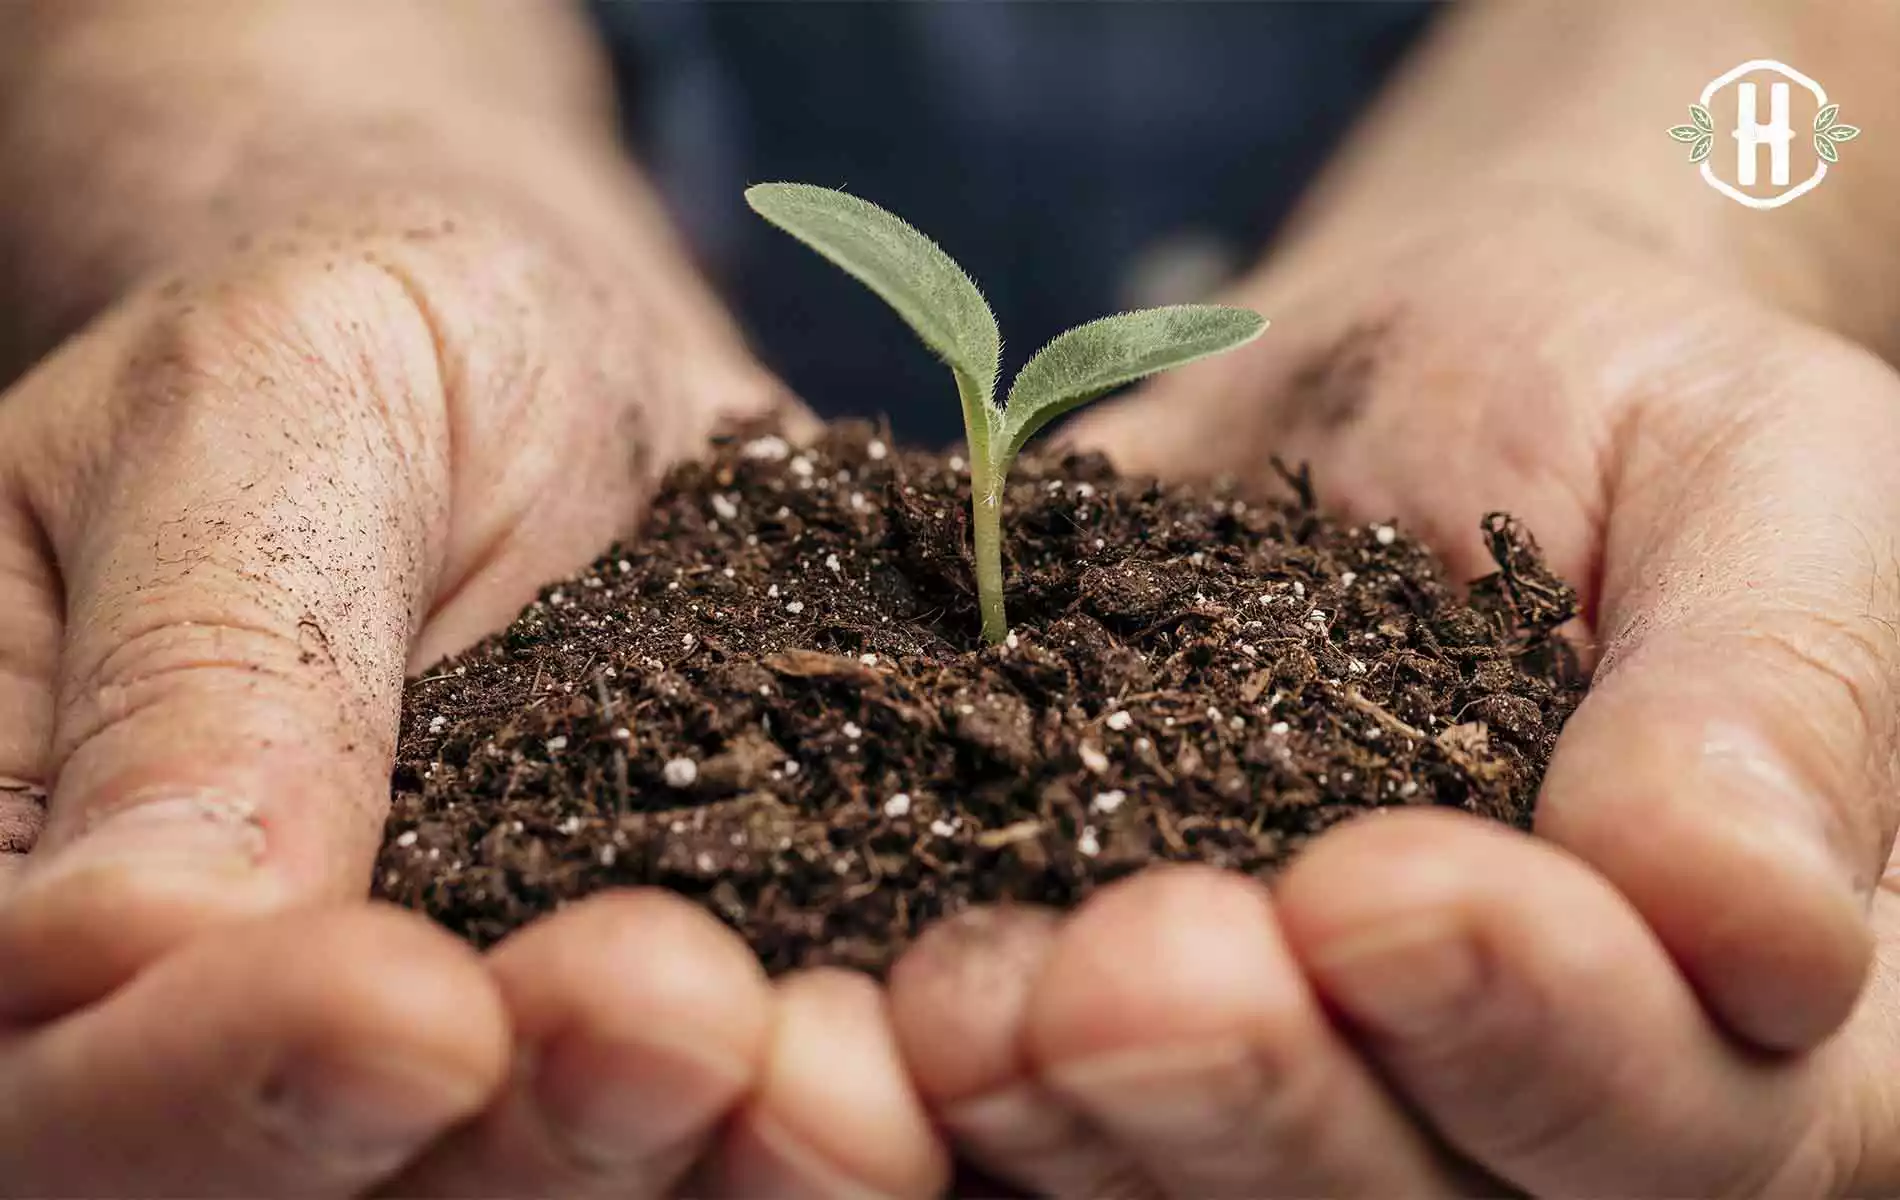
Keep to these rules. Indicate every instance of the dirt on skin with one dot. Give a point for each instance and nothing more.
(775, 701)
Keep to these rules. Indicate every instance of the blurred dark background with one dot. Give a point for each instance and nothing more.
(1076, 158)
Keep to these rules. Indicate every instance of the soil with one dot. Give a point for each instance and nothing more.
(775, 701)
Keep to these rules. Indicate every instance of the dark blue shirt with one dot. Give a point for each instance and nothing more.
(1076, 158)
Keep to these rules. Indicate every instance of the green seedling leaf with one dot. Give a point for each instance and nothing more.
(909, 271)
(1842, 133)
(1684, 133)
(938, 300)
(1702, 146)
(1825, 117)
(1702, 119)
(1093, 359)
(1825, 148)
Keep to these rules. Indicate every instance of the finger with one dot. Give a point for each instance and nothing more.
(640, 1022)
(959, 1001)
(1525, 1010)
(301, 1056)
(835, 1114)
(1171, 1015)
(244, 564)
(1745, 719)
(29, 653)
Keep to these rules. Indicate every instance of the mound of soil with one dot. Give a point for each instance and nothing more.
(775, 702)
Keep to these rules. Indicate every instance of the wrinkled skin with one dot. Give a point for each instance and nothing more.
(1642, 1003)
(232, 511)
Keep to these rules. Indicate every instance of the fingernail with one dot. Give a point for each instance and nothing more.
(1767, 802)
(1403, 982)
(195, 833)
(626, 1106)
(766, 1161)
(365, 1118)
(1021, 1120)
(1166, 1093)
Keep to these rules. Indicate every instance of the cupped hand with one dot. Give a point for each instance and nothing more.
(232, 512)
(1663, 994)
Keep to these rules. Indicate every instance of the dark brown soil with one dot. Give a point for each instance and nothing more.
(775, 702)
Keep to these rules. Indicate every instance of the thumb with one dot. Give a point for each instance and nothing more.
(1733, 769)
(243, 493)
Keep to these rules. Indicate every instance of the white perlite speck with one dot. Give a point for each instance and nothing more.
(1279, 728)
(1012, 641)
(723, 506)
(869, 660)
(898, 805)
(1119, 720)
(795, 607)
(557, 743)
(436, 724)
(1092, 758)
(801, 467)
(832, 564)
(1108, 802)
(1385, 535)
(1087, 842)
(877, 450)
(680, 772)
(406, 839)
(943, 828)
(1408, 788)
(852, 731)
(768, 449)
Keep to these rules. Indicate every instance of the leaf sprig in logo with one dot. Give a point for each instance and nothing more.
(1701, 135)
(1827, 131)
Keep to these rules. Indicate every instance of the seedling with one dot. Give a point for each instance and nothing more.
(937, 299)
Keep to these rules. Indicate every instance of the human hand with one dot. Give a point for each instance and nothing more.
(1428, 1006)
(232, 512)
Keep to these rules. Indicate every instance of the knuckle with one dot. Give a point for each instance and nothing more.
(326, 338)
(1838, 703)
(152, 665)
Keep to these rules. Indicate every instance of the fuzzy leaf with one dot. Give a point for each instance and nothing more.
(1825, 117)
(1702, 146)
(1098, 357)
(909, 271)
(1825, 148)
(1702, 119)
(1684, 133)
(1842, 133)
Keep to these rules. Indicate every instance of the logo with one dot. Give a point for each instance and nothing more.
(1739, 92)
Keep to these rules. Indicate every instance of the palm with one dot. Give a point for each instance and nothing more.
(1717, 479)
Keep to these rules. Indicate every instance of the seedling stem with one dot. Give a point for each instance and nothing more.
(934, 296)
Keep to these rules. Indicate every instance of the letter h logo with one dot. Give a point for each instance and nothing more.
(1777, 134)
